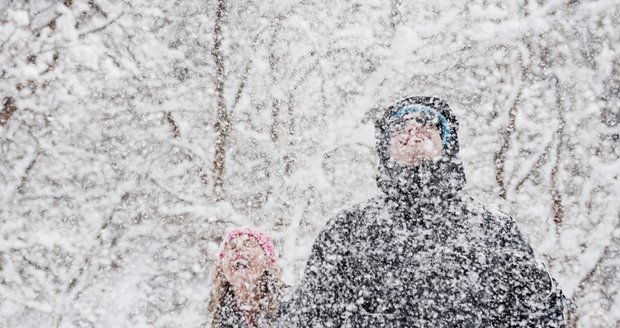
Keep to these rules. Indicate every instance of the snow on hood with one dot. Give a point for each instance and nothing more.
(431, 181)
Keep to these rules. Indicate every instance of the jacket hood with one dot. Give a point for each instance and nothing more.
(430, 181)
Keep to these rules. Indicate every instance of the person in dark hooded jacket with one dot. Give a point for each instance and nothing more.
(420, 254)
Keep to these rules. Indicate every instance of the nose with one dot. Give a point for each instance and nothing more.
(236, 247)
(414, 130)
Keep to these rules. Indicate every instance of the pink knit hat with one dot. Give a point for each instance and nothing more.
(261, 238)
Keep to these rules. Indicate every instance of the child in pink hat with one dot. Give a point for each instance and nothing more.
(246, 283)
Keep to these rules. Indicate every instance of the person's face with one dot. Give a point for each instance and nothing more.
(244, 261)
(416, 139)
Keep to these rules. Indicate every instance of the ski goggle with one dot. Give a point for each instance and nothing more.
(425, 116)
(424, 119)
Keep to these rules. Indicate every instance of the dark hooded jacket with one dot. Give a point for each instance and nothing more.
(420, 255)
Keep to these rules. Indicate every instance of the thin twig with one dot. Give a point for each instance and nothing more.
(537, 165)
(26, 173)
(100, 241)
(244, 78)
(176, 132)
(101, 28)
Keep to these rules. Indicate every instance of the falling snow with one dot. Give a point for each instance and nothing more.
(134, 134)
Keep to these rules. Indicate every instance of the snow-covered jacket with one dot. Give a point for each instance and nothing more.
(233, 318)
(421, 255)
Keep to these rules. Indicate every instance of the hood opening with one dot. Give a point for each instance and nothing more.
(430, 181)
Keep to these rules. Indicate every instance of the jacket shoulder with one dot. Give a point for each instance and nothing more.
(350, 219)
(497, 224)
(491, 214)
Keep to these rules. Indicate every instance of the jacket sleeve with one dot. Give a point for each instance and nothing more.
(529, 296)
(320, 298)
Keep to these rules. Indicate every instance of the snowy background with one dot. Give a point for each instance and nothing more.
(134, 133)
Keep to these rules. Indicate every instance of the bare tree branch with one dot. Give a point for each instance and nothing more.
(101, 28)
(305, 75)
(93, 252)
(537, 164)
(176, 132)
(244, 78)
(274, 61)
(97, 8)
(26, 173)
(580, 292)
(8, 108)
(558, 207)
(500, 156)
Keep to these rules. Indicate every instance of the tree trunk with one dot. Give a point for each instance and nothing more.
(222, 125)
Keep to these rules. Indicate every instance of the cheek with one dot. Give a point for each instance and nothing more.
(228, 273)
(396, 145)
(399, 150)
(437, 144)
(258, 264)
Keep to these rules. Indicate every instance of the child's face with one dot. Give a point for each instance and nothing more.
(415, 141)
(244, 262)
